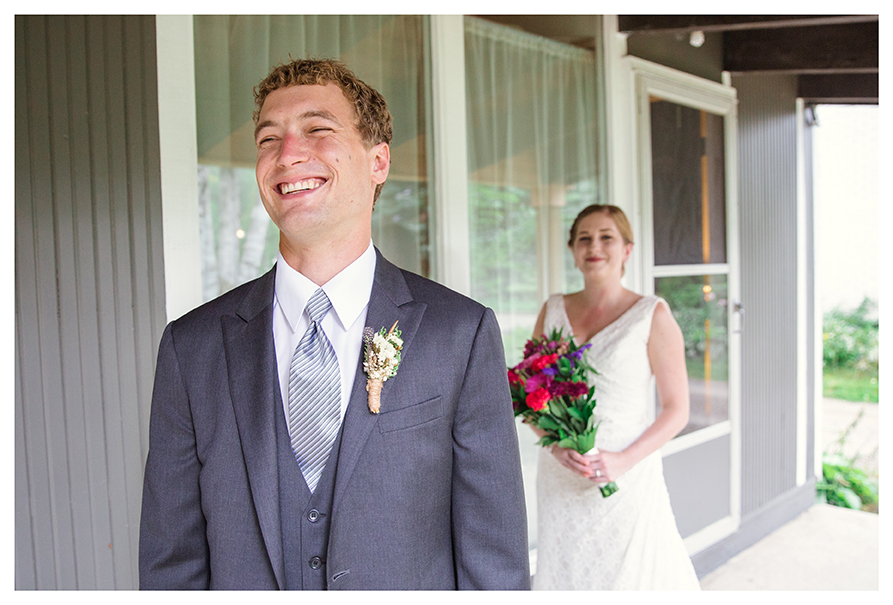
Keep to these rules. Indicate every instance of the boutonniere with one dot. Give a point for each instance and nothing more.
(381, 362)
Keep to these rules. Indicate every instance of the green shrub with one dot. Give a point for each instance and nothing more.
(851, 338)
(843, 483)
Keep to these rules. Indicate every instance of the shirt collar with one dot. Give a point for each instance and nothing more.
(348, 291)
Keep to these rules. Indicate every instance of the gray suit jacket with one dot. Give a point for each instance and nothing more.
(428, 493)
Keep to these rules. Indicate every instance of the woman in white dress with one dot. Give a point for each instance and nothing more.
(628, 541)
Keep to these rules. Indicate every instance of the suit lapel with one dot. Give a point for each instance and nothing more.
(389, 301)
(254, 384)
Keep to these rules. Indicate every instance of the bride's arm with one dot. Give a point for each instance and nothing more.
(666, 351)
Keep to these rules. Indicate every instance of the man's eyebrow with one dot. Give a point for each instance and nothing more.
(313, 113)
(261, 125)
(320, 113)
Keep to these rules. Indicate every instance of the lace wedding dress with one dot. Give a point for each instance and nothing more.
(628, 541)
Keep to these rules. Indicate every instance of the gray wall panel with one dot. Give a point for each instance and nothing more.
(768, 219)
(687, 472)
(89, 294)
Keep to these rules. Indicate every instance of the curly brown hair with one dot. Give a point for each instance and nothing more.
(373, 117)
(373, 120)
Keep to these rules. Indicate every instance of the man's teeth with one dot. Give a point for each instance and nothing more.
(300, 186)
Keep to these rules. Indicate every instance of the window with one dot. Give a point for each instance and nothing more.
(689, 226)
(232, 54)
(532, 164)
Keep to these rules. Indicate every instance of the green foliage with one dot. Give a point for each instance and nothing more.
(849, 384)
(503, 248)
(847, 486)
(692, 308)
(843, 483)
(850, 353)
(506, 239)
(851, 338)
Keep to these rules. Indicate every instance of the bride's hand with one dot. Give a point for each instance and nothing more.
(572, 460)
(608, 466)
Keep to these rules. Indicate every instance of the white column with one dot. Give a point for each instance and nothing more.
(179, 163)
(450, 152)
(802, 403)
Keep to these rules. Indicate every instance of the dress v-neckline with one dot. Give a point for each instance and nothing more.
(604, 329)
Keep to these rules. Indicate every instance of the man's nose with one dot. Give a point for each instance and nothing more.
(293, 150)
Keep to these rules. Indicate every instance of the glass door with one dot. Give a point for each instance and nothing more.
(686, 154)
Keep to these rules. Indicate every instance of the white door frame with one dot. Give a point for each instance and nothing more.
(647, 80)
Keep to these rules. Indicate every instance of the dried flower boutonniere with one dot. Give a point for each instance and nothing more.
(381, 362)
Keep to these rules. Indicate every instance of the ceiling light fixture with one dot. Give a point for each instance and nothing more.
(696, 38)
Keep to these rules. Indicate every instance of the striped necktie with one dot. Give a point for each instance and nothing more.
(314, 394)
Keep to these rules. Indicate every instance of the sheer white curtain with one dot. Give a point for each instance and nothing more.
(531, 106)
(232, 54)
(532, 114)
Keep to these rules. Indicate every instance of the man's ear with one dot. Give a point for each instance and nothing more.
(381, 163)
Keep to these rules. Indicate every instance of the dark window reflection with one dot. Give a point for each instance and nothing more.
(688, 185)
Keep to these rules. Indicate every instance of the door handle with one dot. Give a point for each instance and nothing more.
(739, 309)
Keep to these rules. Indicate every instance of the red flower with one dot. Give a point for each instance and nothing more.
(537, 400)
(544, 362)
(513, 377)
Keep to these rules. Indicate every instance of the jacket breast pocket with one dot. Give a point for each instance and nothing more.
(411, 416)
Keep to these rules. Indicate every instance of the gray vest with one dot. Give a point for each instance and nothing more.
(305, 519)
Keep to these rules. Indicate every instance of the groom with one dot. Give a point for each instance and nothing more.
(266, 467)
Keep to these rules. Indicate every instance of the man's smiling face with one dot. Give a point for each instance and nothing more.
(316, 176)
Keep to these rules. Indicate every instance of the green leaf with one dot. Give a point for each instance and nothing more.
(546, 440)
(574, 412)
(586, 442)
(547, 423)
(567, 442)
(850, 498)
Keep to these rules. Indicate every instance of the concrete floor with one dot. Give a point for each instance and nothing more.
(826, 547)
(863, 437)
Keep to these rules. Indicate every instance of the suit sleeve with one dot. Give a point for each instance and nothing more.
(173, 548)
(488, 508)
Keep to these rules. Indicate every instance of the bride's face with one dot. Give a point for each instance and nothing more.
(599, 249)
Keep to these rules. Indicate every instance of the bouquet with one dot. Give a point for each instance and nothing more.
(550, 391)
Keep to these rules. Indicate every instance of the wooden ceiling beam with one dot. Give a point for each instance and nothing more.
(663, 24)
(838, 88)
(850, 47)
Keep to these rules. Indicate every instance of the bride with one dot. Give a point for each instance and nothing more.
(628, 540)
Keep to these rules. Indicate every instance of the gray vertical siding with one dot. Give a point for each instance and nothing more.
(768, 222)
(89, 294)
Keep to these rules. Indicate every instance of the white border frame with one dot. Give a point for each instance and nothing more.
(649, 79)
(800, 473)
(450, 152)
(178, 148)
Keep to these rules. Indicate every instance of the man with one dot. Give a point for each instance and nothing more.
(267, 467)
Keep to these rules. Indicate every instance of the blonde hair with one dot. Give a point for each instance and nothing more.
(623, 226)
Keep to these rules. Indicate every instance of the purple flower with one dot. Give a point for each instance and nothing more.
(537, 381)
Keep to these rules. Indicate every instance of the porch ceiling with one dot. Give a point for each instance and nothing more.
(835, 57)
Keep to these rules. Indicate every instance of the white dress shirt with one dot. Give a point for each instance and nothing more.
(349, 293)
